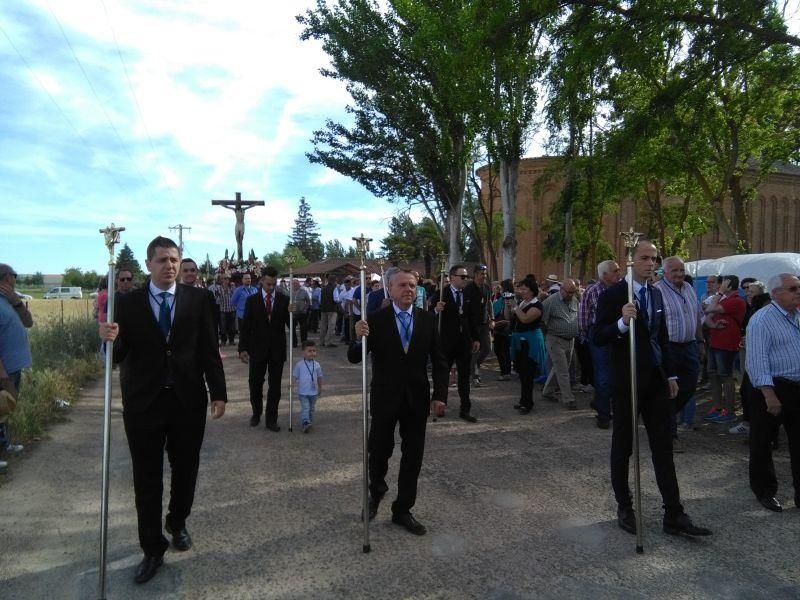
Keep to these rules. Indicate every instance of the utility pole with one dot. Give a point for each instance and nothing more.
(180, 229)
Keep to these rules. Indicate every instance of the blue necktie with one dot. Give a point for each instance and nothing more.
(164, 316)
(643, 303)
(405, 328)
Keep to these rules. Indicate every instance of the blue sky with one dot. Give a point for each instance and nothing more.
(140, 112)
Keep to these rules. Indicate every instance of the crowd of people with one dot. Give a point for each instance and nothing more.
(740, 340)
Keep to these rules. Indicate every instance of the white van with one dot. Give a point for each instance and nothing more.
(63, 292)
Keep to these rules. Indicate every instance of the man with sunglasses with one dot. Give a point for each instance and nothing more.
(460, 338)
(773, 364)
(124, 281)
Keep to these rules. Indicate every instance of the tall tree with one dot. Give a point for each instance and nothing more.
(334, 249)
(305, 236)
(411, 72)
(126, 259)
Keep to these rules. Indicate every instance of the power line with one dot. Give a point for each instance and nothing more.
(61, 111)
(97, 97)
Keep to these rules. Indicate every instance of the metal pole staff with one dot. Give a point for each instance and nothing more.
(290, 263)
(631, 239)
(443, 260)
(111, 234)
(362, 247)
(381, 262)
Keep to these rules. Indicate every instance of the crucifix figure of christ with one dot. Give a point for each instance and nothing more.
(238, 207)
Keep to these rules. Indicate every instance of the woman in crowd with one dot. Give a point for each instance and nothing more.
(527, 341)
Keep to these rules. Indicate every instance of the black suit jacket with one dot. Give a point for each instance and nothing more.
(651, 338)
(262, 338)
(397, 375)
(187, 359)
(459, 330)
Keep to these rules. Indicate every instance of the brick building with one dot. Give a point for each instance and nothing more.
(774, 218)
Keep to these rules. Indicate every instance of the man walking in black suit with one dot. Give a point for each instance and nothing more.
(657, 384)
(166, 345)
(262, 345)
(402, 338)
(460, 336)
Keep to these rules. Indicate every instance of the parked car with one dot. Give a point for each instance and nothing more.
(63, 292)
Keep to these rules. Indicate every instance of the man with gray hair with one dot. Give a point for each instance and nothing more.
(560, 318)
(684, 318)
(773, 364)
(609, 274)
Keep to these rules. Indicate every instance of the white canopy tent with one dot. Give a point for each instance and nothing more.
(760, 266)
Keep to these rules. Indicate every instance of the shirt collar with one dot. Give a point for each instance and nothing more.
(264, 293)
(409, 310)
(785, 312)
(156, 291)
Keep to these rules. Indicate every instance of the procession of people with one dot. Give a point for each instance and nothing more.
(167, 338)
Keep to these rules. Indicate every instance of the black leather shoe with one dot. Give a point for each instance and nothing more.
(524, 410)
(254, 420)
(682, 525)
(771, 503)
(372, 508)
(517, 406)
(410, 523)
(273, 427)
(469, 419)
(147, 568)
(626, 519)
(181, 540)
(603, 423)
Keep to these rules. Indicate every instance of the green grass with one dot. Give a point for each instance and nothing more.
(65, 357)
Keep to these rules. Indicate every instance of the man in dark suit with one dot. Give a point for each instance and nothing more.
(460, 336)
(262, 345)
(166, 345)
(402, 338)
(656, 384)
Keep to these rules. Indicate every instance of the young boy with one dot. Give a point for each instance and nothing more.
(307, 375)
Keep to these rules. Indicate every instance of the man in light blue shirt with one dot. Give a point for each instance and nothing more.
(773, 364)
(240, 296)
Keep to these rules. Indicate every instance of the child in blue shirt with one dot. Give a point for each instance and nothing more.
(307, 375)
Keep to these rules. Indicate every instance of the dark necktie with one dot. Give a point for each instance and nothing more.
(164, 316)
(405, 328)
(643, 303)
(268, 304)
(458, 300)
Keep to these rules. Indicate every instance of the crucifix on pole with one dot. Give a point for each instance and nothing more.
(238, 207)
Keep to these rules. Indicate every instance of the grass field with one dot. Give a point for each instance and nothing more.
(48, 310)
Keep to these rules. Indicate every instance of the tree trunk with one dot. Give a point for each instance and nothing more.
(509, 176)
(743, 245)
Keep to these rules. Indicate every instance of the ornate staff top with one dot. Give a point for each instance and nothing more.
(443, 261)
(381, 261)
(362, 247)
(630, 239)
(111, 234)
(289, 261)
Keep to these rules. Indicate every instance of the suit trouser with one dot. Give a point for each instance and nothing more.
(327, 327)
(559, 350)
(274, 371)
(763, 425)
(656, 411)
(486, 346)
(601, 371)
(165, 423)
(503, 352)
(462, 357)
(300, 320)
(412, 447)
(686, 363)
